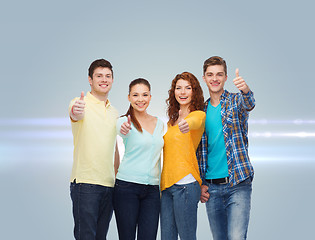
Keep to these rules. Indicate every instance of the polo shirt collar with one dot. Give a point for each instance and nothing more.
(95, 100)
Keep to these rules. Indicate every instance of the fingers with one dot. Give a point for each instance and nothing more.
(204, 199)
(237, 72)
(82, 96)
(126, 126)
(79, 106)
(240, 83)
(183, 126)
(182, 123)
(204, 196)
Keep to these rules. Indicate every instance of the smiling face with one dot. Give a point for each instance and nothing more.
(139, 97)
(183, 92)
(215, 79)
(101, 83)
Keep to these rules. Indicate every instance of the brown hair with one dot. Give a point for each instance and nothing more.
(131, 110)
(197, 101)
(100, 63)
(215, 60)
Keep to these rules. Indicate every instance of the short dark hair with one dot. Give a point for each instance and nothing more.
(215, 60)
(100, 63)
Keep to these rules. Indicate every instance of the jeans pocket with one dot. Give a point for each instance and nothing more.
(122, 184)
(72, 186)
(156, 187)
(247, 181)
(87, 188)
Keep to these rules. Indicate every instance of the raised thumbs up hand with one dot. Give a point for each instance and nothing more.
(126, 126)
(240, 83)
(182, 123)
(77, 111)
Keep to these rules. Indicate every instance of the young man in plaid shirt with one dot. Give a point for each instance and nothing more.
(223, 158)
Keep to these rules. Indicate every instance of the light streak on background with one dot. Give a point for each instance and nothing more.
(50, 122)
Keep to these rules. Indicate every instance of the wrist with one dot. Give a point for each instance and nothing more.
(245, 91)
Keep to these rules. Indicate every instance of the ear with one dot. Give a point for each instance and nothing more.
(203, 78)
(128, 97)
(90, 80)
(225, 78)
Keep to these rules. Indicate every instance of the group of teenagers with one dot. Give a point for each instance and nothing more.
(205, 158)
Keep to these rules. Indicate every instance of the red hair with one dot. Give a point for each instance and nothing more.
(197, 100)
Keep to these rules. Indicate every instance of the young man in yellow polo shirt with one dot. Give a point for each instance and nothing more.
(95, 161)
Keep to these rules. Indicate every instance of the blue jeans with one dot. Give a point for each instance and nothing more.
(137, 208)
(228, 210)
(92, 210)
(179, 206)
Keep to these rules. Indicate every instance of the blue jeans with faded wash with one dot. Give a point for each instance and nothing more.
(179, 204)
(92, 210)
(228, 210)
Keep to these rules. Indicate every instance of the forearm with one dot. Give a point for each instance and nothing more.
(116, 160)
(196, 121)
(249, 100)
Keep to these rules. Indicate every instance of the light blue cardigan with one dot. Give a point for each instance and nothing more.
(142, 159)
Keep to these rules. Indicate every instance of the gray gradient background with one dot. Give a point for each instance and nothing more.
(46, 48)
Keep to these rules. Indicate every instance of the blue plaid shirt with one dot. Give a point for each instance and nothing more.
(235, 109)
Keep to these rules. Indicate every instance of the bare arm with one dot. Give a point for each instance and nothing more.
(117, 159)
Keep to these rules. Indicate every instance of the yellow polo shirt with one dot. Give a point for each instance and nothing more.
(179, 152)
(94, 139)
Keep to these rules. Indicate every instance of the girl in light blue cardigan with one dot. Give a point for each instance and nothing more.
(136, 191)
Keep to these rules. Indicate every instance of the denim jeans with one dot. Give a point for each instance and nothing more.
(179, 206)
(92, 210)
(137, 208)
(228, 210)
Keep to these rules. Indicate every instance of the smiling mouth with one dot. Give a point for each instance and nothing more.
(215, 84)
(183, 98)
(141, 105)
